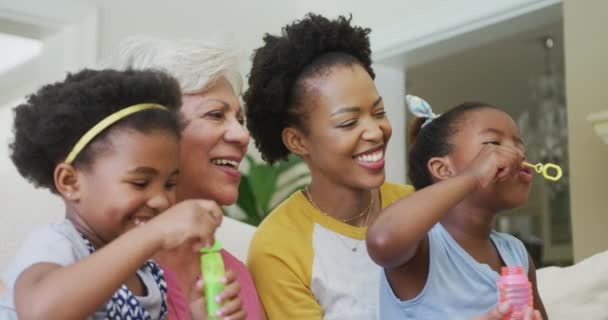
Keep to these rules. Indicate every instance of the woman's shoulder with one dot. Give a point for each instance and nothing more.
(286, 231)
(292, 213)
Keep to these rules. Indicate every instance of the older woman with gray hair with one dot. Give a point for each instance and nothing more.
(213, 143)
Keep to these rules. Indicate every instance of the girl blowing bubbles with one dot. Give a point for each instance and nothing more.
(440, 256)
(107, 143)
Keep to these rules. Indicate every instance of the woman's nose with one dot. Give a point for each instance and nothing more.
(237, 133)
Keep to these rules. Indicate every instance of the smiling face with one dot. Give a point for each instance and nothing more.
(489, 125)
(130, 182)
(347, 130)
(214, 142)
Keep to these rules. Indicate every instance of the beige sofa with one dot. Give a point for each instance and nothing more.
(578, 292)
(235, 237)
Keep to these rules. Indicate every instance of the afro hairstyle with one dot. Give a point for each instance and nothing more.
(306, 48)
(47, 126)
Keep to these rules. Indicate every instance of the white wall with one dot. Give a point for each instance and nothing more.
(391, 86)
(371, 14)
(586, 74)
(67, 31)
(242, 23)
(402, 25)
(23, 207)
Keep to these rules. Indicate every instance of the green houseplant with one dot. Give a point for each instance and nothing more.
(264, 186)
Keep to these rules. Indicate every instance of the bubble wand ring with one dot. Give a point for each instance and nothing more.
(544, 170)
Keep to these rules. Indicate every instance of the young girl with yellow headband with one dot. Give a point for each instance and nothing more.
(107, 143)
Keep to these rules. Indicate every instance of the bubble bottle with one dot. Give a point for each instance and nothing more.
(212, 270)
(515, 288)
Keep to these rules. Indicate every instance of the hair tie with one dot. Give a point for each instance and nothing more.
(421, 109)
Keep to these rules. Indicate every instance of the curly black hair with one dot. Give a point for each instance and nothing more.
(306, 48)
(48, 125)
(435, 140)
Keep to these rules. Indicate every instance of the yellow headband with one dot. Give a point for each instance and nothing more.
(105, 123)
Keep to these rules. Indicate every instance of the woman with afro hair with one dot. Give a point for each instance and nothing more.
(312, 93)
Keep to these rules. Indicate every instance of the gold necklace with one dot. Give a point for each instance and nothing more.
(371, 203)
(367, 210)
(354, 249)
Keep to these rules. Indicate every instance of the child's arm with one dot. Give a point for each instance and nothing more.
(392, 240)
(538, 303)
(50, 291)
(394, 237)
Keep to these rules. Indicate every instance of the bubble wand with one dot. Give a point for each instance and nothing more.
(544, 169)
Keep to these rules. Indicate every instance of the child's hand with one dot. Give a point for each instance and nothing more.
(198, 307)
(502, 310)
(188, 221)
(229, 299)
(494, 163)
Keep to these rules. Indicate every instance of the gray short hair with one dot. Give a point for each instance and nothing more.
(195, 64)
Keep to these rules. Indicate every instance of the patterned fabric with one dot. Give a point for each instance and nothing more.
(124, 305)
(421, 109)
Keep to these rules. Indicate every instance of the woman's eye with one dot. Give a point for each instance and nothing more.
(347, 124)
(216, 114)
(139, 184)
(380, 114)
(492, 142)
